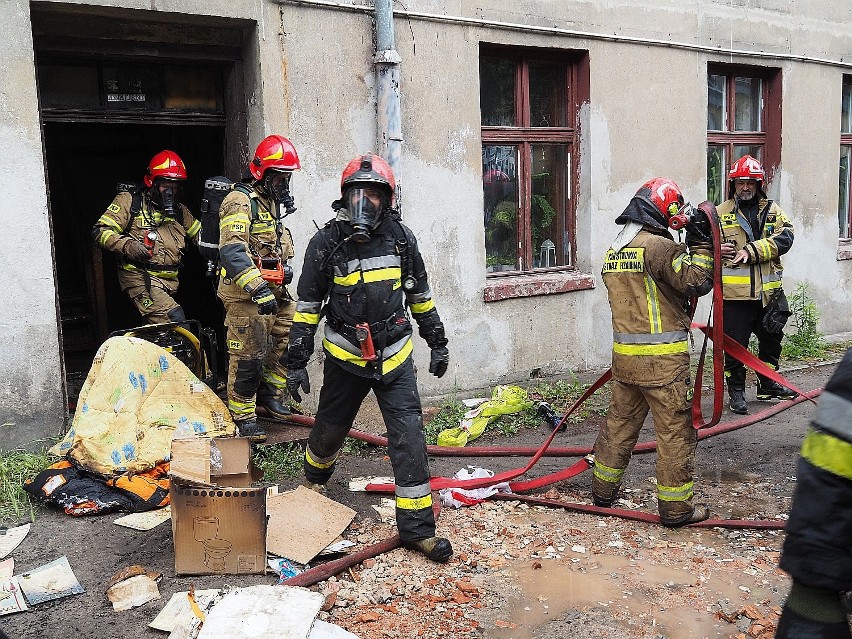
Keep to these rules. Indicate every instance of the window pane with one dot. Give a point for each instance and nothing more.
(550, 236)
(846, 112)
(716, 103)
(747, 104)
(548, 96)
(754, 150)
(716, 173)
(194, 89)
(68, 86)
(843, 207)
(497, 92)
(500, 199)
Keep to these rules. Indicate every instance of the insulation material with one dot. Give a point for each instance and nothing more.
(135, 397)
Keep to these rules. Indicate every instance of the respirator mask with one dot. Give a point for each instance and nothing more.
(364, 207)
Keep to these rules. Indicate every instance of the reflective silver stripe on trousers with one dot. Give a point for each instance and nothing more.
(413, 492)
(308, 307)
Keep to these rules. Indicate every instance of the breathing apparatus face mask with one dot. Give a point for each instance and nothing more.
(364, 207)
(166, 194)
(277, 185)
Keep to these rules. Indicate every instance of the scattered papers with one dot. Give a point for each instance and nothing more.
(324, 630)
(359, 484)
(302, 523)
(386, 510)
(263, 612)
(337, 547)
(147, 520)
(177, 612)
(133, 592)
(10, 538)
(50, 581)
(11, 598)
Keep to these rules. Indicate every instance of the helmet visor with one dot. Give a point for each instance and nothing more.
(277, 184)
(364, 206)
(167, 192)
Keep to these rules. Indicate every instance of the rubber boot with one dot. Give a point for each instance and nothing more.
(250, 429)
(700, 512)
(768, 389)
(437, 549)
(322, 489)
(270, 405)
(736, 391)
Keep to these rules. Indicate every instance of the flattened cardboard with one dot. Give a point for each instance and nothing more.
(191, 461)
(177, 611)
(218, 530)
(302, 523)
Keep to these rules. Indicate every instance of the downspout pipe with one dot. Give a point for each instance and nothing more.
(387, 62)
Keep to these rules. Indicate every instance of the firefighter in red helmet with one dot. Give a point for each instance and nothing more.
(147, 228)
(363, 272)
(254, 249)
(755, 234)
(649, 279)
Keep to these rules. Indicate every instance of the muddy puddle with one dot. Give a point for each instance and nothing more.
(676, 603)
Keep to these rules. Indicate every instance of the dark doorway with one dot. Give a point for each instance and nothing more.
(85, 162)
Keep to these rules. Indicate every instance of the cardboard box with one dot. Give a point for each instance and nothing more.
(218, 520)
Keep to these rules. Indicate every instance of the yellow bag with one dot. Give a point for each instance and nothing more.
(505, 400)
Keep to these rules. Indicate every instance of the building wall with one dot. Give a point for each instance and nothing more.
(309, 75)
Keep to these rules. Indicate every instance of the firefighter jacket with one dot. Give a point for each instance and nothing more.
(250, 233)
(649, 282)
(133, 217)
(351, 284)
(765, 244)
(817, 550)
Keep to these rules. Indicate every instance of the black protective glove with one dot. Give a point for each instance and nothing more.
(265, 300)
(439, 361)
(777, 312)
(136, 251)
(698, 234)
(297, 380)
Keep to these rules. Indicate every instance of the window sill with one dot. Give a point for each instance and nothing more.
(534, 284)
(844, 249)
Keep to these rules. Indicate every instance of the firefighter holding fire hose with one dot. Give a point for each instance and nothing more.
(254, 247)
(363, 272)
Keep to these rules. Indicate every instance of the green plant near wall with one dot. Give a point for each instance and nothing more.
(15, 468)
(806, 341)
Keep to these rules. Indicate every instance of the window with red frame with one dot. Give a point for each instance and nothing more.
(844, 209)
(529, 103)
(743, 118)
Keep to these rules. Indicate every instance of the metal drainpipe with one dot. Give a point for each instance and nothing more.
(387, 85)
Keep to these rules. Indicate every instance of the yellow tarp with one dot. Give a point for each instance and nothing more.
(135, 396)
(505, 400)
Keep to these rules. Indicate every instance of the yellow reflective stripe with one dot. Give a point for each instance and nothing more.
(343, 355)
(830, 453)
(383, 274)
(704, 261)
(233, 217)
(736, 279)
(422, 307)
(247, 277)
(317, 464)
(651, 349)
(765, 248)
(193, 229)
(265, 298)
(240, 408)
(677, 263)
(388, 364)
(407, 503)
(166, 275)
(607, 474)
(768, 286)
(306, 318)
(105, 235)
(274, 379)
(350, 280)
(653, 305)
(392, 362)
(109, 221)
(676, 493)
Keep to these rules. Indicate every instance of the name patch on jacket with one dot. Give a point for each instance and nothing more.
(627, 260)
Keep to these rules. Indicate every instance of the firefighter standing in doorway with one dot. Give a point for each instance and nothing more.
(254, 247)
(361, 272)
(755, 234)
(148, 228)
(649, 279)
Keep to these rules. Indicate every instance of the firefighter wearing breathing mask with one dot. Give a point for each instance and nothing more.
(254, 248)
(147, 228)
(363, 272)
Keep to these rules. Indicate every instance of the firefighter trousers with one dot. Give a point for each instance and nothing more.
(742, 318)
(256, 343)
(153, 297)
(676, 441)
(340, 398)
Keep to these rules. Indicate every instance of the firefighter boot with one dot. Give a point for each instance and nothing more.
(250, 429)
(317, 488)
(699, 513)
(270, 405)
(736, 391)
(768, 389)
(437, 549)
